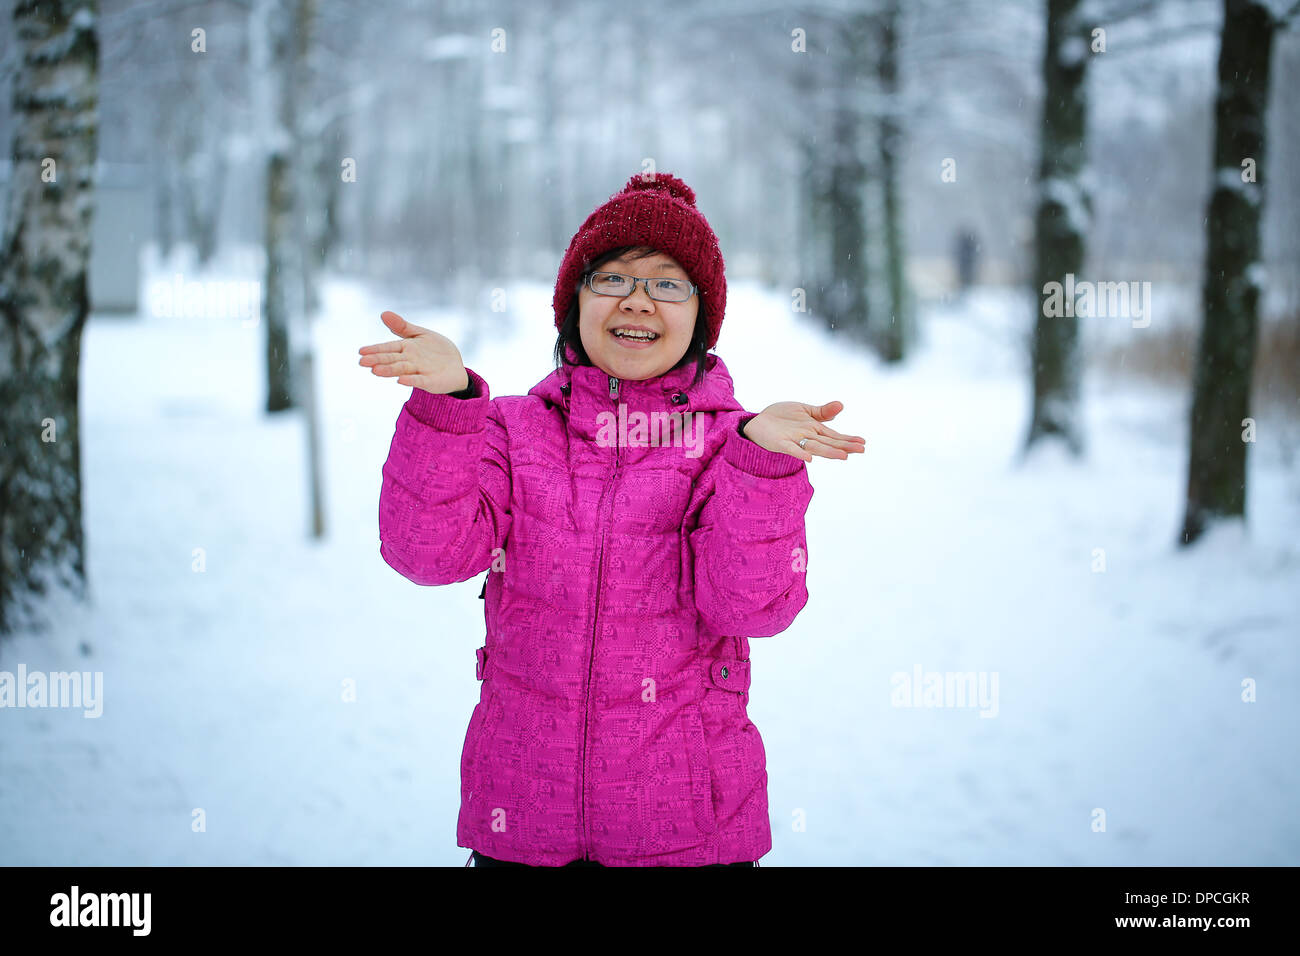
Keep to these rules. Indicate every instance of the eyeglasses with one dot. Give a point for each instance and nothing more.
(663, 289)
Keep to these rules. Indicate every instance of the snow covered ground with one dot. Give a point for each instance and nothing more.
(1117, 691)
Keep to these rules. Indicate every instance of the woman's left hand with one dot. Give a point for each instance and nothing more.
(779, 428)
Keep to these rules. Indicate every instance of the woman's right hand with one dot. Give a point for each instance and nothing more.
(421, 357)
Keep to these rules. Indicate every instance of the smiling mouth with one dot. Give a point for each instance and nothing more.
(632, 335)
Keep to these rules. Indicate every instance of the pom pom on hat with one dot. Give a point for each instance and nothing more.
(662, 182)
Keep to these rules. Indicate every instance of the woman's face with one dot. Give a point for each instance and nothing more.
(600, 315)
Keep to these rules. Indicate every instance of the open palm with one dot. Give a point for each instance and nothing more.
(780, 427)
(421, 357)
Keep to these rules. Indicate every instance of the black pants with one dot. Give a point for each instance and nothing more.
(481, 860)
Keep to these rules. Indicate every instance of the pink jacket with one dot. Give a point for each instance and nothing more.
(627, 571)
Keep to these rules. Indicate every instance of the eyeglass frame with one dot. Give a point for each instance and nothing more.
(586, 280)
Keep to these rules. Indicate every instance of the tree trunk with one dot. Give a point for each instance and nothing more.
(271, 46)
(847, 299)
(307, 206)
(329, 180)
(204, 201)
(836, 180)
(163, 197)
(44, 257)
(1216, 475)
(553, 224)
(895, 335)
(278, 283)
(1064, 211)
(203, 183)
(813, 251)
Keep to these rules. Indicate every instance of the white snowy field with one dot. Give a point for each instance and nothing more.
(1117, 691)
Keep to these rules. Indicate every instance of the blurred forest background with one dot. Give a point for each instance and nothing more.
(895, 185)
(483, 132)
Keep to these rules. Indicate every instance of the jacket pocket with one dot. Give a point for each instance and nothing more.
(701, 773)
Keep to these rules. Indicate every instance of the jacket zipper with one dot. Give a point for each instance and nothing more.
(595, 618)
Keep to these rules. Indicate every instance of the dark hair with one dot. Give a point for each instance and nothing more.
(697, 351)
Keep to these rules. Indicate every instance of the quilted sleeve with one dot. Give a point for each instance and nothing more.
(748, 544)
(444, 501)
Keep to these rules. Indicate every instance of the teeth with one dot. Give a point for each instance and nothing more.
(628, 334)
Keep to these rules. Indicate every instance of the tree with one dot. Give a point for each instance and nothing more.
(44, 256)
(202, 172)
(847, 304)
(895, 334)
(1216, 473)
(1061, 223)
(831, 89)
(276, 51)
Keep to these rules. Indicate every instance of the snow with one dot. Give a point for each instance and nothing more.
(452, 46)
(1279, 8)
(1071, 194)
(1257, 275)
(1071, 51)
(1229, 178)
(937, 549)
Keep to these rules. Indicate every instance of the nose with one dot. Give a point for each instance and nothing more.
(643, 302)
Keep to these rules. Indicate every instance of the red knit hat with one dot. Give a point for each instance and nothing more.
(655, 210)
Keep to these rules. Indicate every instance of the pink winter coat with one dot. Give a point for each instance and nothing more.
(627, 571)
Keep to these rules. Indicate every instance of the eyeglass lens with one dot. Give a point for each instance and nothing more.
(663, 288)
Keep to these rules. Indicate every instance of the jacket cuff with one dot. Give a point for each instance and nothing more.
(749, 456)
(448, 413)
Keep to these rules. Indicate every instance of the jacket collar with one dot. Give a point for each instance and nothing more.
(584, 391)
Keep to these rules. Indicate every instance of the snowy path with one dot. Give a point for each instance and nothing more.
(223, 689)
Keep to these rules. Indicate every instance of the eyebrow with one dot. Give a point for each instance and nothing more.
(662, 266)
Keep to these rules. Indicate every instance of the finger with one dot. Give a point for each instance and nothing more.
(832, 433)
(819, 447)
(843, 444)
(824, 413)
(394, 369)
(803, 454)
(400, 326)
(381, 358)
(393, 346)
